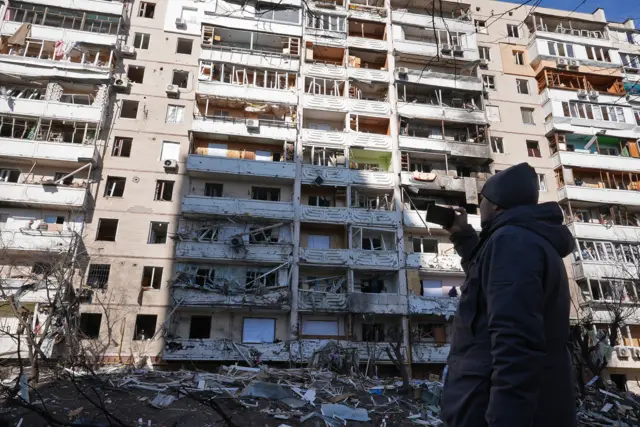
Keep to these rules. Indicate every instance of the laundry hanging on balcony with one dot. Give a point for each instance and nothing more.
(63, 48)
(21, 35)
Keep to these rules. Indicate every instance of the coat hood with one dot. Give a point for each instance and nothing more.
(545, 219)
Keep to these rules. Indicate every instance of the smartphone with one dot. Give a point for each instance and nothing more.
(442, 216)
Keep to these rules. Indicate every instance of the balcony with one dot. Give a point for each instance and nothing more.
(366, 43)
(201, 205)
(434, 181)
(38, 291)
(343, 176)
(364, 106)
(33, 60)
(48, 152)
(426, 49)
(102, 33)
(601, 196)
(316, 301)
(609, 269)
(353, 258)
(222, 350)
(568, 30)
(427, 352)
(595, 161)
(247, 92)
(271, 129)
(224, 251)
(51, 110)
(355, 216)
(345, 138)
(251, 57)
(368, 74)
(51, 196)
(382, 303)
(435, 263)
(324, 102)
(368, 10)
(439, 306)
(324, 69)
(9, 347)
(437, 112)
(37, 240)
(450, 80)
(97, 6)
(412, 220)
(303, 349)
(590, 231)
(240, 168)
(461, 24)
(264, 298)
(452, 148)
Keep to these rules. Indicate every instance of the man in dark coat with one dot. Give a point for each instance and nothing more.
(509, 365)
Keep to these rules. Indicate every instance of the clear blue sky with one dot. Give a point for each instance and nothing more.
(615, 10)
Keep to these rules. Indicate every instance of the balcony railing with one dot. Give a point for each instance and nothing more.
(226, 206)
(224, 251)
(309, 300)
(44, 195)
(37, 240)
(265, 297)
(273, 129)
(381, 303)
(60, 18)
(223, 349)
(428, 352)
(438, 306)
(239, 167)
(356, 216)
(50, 151)
(435, 262)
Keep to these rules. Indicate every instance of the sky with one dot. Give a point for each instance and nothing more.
(615, 10)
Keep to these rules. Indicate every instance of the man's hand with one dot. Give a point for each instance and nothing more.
(459, 222)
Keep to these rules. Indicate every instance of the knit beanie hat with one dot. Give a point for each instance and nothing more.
(514, 186)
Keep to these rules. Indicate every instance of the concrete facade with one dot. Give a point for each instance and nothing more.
(258, 175)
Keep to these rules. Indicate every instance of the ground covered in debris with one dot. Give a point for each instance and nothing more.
(262, 396)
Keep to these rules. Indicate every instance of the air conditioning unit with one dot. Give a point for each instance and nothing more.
(457, 48)
(127, 50)
(582, 93)
(172, 90)
(181, 22)
(561, 62)
(446, 48)
(121, 83)
(594, 94)
(622, 352)
(170, 164)
(253, 123)
(484, 62)
(403, 72)
(574, 64)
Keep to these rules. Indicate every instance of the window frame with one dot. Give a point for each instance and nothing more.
(145, 39)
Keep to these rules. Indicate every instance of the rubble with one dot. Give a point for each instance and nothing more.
(608, 407)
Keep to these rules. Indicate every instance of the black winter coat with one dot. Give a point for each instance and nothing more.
(509, 364)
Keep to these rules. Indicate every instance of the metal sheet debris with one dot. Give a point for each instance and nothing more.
(344, 412)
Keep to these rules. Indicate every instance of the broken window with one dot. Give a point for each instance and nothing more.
(135, 73)
(497, 146)
(98, 275)
(9, 175)
(513, 31)
(164, 190)
(429, 332)
(518, 57)
(114, 186)
(533, 149)
(260, 279)
(158, 232)
(372, 244)
(270, 12)
(68, 179)
(107, 229)
(432, 288)
(527, 115)
(141, 40)
(16, 127)
(129, 109)
(200, 327)
(121, 147)
(257, 330)
(260, 235)
(423, 245)
(265, 193)
(184, 46)
(542, 183)
(523, 86)
(204, 276)
(152, 277)
(372, 286)
(43, 268)
(212, 190)
(373, 332)
(175, 114)
(489, 81)
(54, 219)
(146, 10)
(145, 327)
(90, 325)
(319, 201)
(180, 78)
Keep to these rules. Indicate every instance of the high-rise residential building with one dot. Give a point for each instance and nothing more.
(250, 180)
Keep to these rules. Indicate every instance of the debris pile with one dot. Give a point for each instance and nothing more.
(608, 407)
